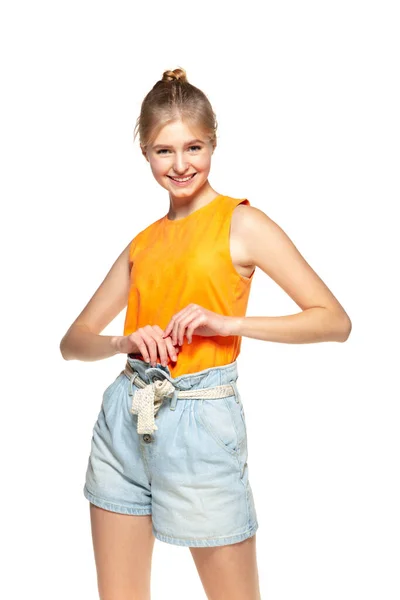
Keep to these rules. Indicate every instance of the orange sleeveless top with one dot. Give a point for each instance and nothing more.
(175, 263)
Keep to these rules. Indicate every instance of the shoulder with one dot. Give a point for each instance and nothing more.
(143, 239)
(257, 232)
(247, 218)
(147, 231)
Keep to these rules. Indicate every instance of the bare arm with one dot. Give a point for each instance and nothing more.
(267, 246)
(83, 341)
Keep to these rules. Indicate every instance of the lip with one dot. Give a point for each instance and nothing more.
(183, 183)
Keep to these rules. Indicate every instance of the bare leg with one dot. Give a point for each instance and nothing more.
(229, 572)
(123, 548)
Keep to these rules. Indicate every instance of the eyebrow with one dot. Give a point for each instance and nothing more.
(187, 144)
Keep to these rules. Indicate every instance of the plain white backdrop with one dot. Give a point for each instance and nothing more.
(307, 101)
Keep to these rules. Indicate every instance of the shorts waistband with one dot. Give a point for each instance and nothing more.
(147, 400)
(221, 374)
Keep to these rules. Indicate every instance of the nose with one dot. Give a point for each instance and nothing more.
(180, 165)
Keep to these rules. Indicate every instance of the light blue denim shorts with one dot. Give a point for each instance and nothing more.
(191, 474)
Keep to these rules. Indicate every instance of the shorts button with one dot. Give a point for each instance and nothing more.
(147, 437)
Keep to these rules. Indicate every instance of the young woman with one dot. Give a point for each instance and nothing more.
(169, 448)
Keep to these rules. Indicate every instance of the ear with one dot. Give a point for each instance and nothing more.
(144, 152)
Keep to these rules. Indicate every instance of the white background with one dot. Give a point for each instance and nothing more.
(307, 101)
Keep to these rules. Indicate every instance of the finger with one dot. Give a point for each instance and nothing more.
(173, 353)
(174, 332)
(185, 322)
(154, 336)
(162, 351)
(167, 349)
(181, 330)
(197, 322)
(172, 324)
(142, 347)
(151, 347)
(178, 329)
(167, 330)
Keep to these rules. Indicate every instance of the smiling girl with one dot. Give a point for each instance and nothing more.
(169, 448)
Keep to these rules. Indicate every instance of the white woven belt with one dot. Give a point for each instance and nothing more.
(147, 401)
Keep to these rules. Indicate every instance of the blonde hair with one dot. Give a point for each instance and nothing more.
(170, 99)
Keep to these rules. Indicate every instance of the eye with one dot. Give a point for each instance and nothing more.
(167, 150)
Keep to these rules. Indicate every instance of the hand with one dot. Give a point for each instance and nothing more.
(148, 340)
(196, 320)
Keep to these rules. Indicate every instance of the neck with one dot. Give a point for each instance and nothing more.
(183, 206)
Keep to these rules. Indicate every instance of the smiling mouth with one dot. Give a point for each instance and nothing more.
(182, 179)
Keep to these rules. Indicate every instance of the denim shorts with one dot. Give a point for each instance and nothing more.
(191, 474)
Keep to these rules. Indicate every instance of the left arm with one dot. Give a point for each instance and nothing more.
(264, 244)
(268, 247)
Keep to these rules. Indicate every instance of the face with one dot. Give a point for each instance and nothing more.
(177, 153)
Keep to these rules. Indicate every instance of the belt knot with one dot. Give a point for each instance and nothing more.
(146, 402)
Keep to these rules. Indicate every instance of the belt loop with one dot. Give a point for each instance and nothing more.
(174, 399)
(236, 391)
(131, 381)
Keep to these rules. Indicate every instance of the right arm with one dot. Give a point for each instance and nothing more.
(83, 341)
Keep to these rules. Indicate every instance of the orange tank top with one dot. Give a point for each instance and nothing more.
(175, 263)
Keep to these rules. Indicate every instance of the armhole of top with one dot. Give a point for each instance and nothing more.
(241, 277)
(131, 249)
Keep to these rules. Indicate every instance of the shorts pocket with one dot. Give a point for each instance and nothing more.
(240, 403)
(223, 418)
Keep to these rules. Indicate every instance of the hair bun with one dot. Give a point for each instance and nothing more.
(175, 75)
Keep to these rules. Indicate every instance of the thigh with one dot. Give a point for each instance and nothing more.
(123, 548)
(229, 571)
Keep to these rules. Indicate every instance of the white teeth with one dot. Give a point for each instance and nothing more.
(185, 179)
